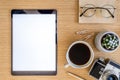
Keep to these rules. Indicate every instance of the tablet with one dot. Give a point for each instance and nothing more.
(34, 42)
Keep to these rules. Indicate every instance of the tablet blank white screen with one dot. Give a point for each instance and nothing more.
(34, 47)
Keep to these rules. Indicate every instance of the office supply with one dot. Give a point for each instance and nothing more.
(97, 11)
(34, 42)
(88, 36)
(75, 76)
(82, 32)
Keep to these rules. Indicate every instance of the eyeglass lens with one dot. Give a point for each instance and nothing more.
(105, 13)
(89, 12)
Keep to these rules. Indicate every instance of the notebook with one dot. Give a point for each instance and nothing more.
(98, 15)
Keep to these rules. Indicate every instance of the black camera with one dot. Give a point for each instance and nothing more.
(105, 70)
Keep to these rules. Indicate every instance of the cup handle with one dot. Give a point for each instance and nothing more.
(66, 65)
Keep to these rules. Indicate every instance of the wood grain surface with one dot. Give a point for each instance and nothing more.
(67, 26)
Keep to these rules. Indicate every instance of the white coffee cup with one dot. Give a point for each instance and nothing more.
(70, 63)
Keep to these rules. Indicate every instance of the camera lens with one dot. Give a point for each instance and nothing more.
(112, 77)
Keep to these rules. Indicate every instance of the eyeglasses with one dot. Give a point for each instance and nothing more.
(89, 10)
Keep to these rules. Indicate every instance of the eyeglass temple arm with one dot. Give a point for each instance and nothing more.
(85, 11)
(97, 8)
(109, 12)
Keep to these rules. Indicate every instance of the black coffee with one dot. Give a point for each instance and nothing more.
(79, 54)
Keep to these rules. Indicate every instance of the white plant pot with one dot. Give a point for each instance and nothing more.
(98, 39)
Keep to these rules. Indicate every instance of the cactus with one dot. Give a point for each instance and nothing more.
(110, 41)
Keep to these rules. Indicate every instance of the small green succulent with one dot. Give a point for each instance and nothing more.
(110, 41)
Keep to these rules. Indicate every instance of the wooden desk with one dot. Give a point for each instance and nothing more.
(67, 26)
